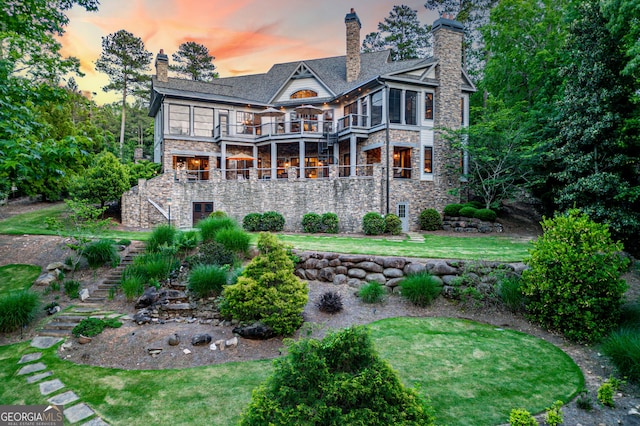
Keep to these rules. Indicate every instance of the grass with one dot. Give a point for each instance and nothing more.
(473, 374)
(17, 277)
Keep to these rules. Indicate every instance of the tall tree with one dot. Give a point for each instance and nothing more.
(125, 60)
(401, 32)
(106, 180)
(194, 61)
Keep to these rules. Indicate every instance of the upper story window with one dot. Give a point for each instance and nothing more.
(376, 108)
(178, 119)
(203, 122)
(247, 122)
(410, 107)
(428, 106)
(395, 101)
(305, 93)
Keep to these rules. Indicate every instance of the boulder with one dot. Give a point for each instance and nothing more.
(393, 273)
(142, 317)
(378, 278)
(440, 267)
(394, 282)
(312, 274)
(220, 344)
(201, 339)
(45, 279)
(354, 282)
(174, 340)
(413, 268)
(84, 294)
(340, 279)
(370, 266)
(326, 274)
(301, 273)
(353, 258)
(342, 270)
(394, 262)
(357, 273)
(232, 343)
(58, 265)
(255, 331)
(148, 298)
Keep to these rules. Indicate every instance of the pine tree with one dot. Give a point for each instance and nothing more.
(194, 61)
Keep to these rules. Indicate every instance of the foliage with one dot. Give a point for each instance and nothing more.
(583, 401)
(143, 169)
(207, 280)
(187, 240)
(271, 222)
(468, 211)
(72, 288)
(210, 226)
(421, 288)
(554, 417)
(100, 252)
(452, 209)
(106, 180)
(392, 224)
(509, 290)
(161, 236)
(311, 223)
(330, 223)
(573, 283)
(268, 291)
(251, 222)
(234, 239)
(623, 347)
(214, 253)
(372, 292)
(17, 309)
(339, 380)
(194, 61)
(152, 267)
(373, 224)
(330, 302)
(90, 327)
(132, 285)
(218, 213)
(485, 214)
(521, 417)
(430, 220)
(605, 393)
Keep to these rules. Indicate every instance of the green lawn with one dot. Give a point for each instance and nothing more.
(17, 277)
(474, 374)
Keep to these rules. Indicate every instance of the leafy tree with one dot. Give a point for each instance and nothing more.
(617, 13)
(194, 61)
(125, 60)
(142, 170)
(401, 32)
(105, 181)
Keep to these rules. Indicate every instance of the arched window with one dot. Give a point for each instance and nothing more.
(305, 93)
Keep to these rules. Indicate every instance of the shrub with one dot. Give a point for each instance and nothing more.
(72, 289)
(430, 220)
(521, 417)
(271, 222)
(251, 222)
(392, 224)
(372, 292)
(234, 239)
(133, 285)
(420, 288)
(373, 224)
(486, 215)
(218, 213)
(452, 209)
(468, 211)
(475, 204)
(330, 223)
(605, 394)
(214, 253)
(90, 327)
(123, 242)
(18, 309)
(573, 283)
(100, 252)
(330, 302)
(163, 235)
(509, 290)
(554, 417)
(187, 240)
(311, 223)
(623, 347)
(210, 226)
(207, 280)
(152, 267)
(268, 291)
(583, 401)
(340, 380)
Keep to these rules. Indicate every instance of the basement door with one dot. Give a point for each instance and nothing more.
(201, 210)
(402, 211)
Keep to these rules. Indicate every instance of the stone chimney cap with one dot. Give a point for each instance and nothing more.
(162, 56)
(447, 20)
(352, 16)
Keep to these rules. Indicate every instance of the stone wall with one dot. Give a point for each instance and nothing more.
(470, 225)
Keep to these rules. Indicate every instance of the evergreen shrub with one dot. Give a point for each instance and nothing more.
(330, 223)
(452, 209)
(392, 224)
(311, 223)
(430, 220)
(271, 222)
(251, 222)
(521, 417)
(373, 224)
(486, 215)
(468, 211)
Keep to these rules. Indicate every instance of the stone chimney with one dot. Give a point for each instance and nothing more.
(353, 45)
(162, 67)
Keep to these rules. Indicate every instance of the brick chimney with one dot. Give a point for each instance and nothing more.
(162, 67)
(353, 45)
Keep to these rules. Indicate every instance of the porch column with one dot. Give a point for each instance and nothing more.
(223, 160)
(274, 159)
(352, 155)
(302, 155)
(255, 156)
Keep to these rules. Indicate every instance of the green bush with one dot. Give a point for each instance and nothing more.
(268, 291)
(207, 280)
(468, 211)
(271, 222)
(100, 252)
(623, 347)
(71, 289)
(123, 242)
(251, 222)
(133, 285)
(163, 235)
(372, 292)
(573, 282)
(606, 391)
(373, 224)
(521, 417)
(340, 380)
(234, 239)
(17, 309)
(421, 288)
(210, 226)
(486, 215)
(509, 290)
(475, 204)
(330, 223)
(187, 240)
(218, 213)
(90, 327)
(214, 253)
(430, 220)
(311, 223)
(554, 417)
(392, 224)
(152, 267)
(452, 209)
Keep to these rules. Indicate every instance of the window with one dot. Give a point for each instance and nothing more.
(203, 122)
(351, 115)
(247, 122)
(376, 108)
(411, 107)
(428, 106)
(427, 166)
(374, 156)
(306, 93)
(196, 168)
(223, 118)
(401, 163)
(179, 119)
(365, 111)
(395, 99)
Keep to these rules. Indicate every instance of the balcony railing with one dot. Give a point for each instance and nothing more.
(313, 128)
(281, 173)
(402, 172)
(352, 120)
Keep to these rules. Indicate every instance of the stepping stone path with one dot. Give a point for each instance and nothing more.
(415, 237)
(60, 327)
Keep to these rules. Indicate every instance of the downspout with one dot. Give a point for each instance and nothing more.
(387, 142)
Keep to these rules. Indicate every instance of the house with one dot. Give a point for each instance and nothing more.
(348, 134)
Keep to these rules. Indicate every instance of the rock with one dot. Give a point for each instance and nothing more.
(449, 279)
(201, 339)
(441, 267)
(174, 340)
(326, 274)
(84, 339)
(449, 292)
(232, 343)
(394, 282)
(357, 273)
(58, 265)
(84, 294)
(255, 331)
(148, 298)
(322, 263)
(312, 274)
(340, 279)
(213, 347)
(370, 266)
(154, 352)
(45, 279)
(142, 317)
(354, 282)
(394, 262)
(393, 273)
(53, 309)
(378, 278)
(342, 270)
(220, 344)
(301, 273)
(413, 268)
(353, 258)
(186, 351)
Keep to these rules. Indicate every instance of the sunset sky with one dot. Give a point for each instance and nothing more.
(244, 36)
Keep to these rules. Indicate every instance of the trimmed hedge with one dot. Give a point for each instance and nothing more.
(265, 222)
(373, 224)
(468, 211)
(430, 220)
(452, 209)
(392, 224)
(330, 223)
(311, 223)
(251, 222)
(486, 215)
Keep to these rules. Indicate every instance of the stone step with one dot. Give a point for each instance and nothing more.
(54, 332)
(70, 318)
(176, 307)
(92, 299)
(61, 325)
